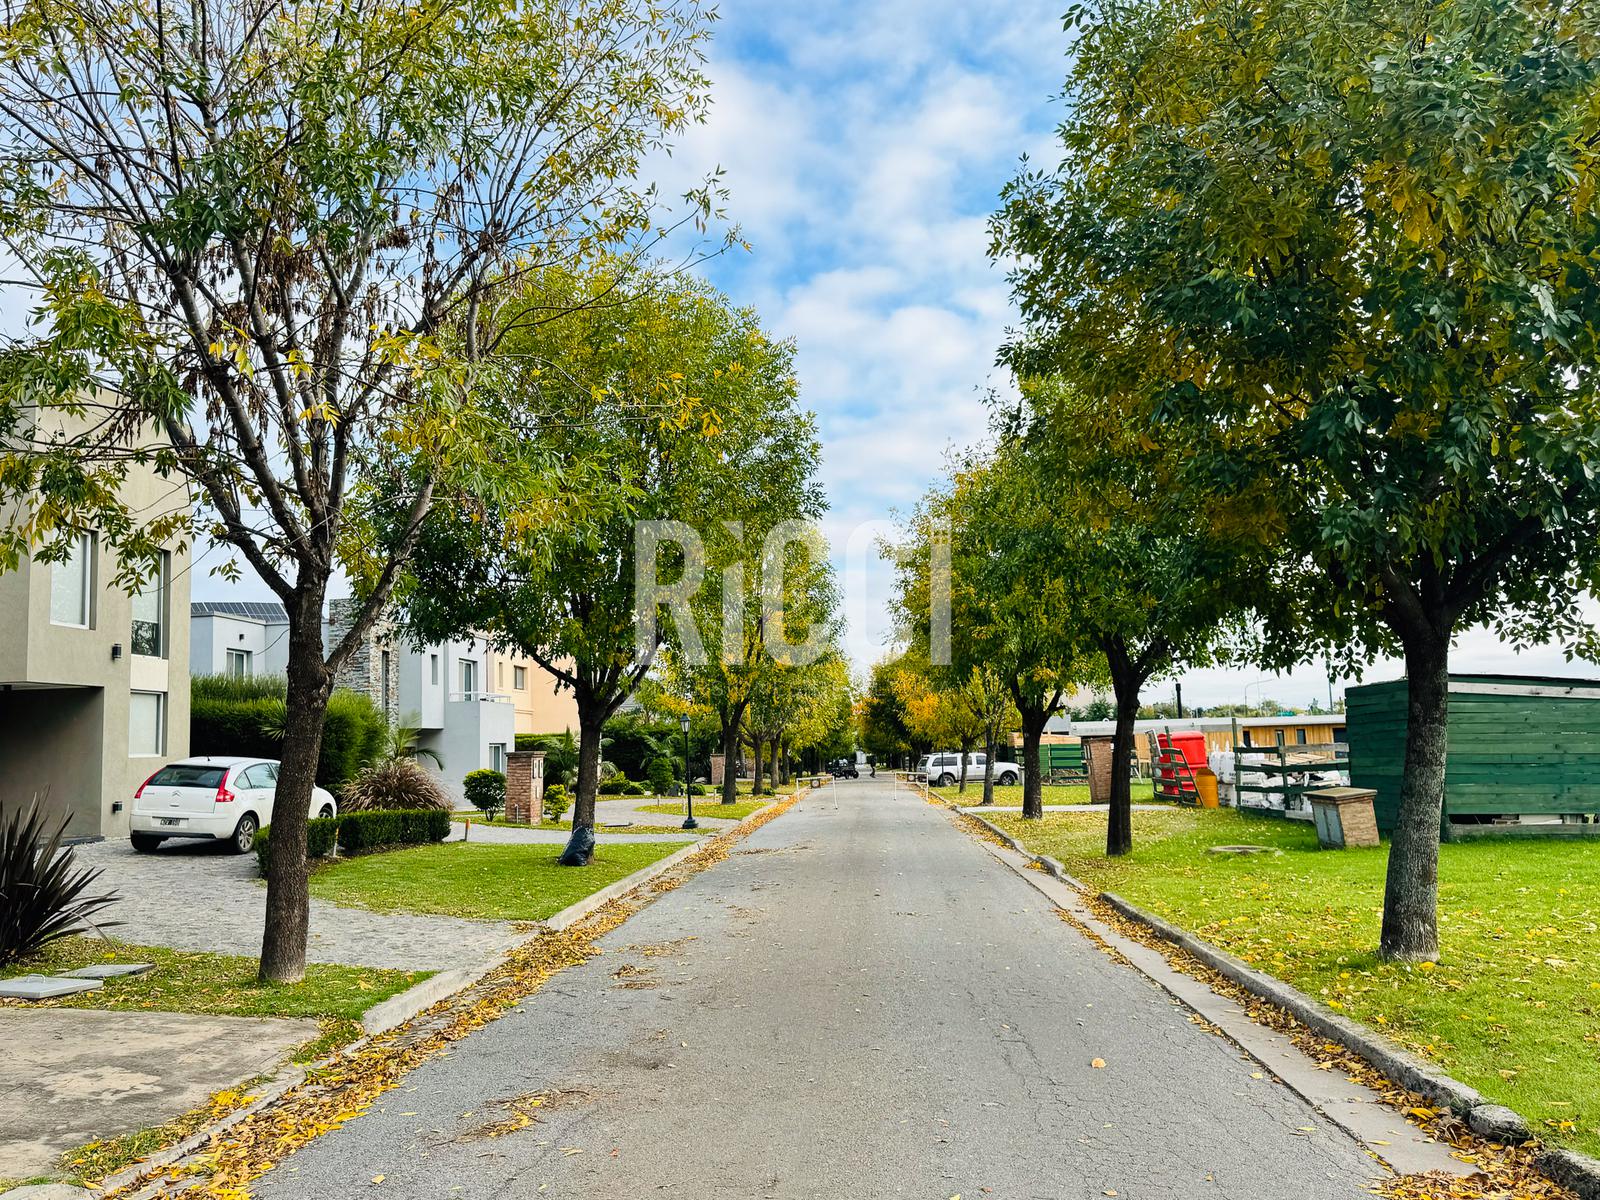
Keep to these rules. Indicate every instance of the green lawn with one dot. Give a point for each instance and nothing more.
(218, 984)
(508, 883)
(709, 806)
(1067, 793)
(1513, 1007)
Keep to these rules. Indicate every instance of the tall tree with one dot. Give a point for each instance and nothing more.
(988, 701)
(665, 405)
(1344, 256)
(266, 239)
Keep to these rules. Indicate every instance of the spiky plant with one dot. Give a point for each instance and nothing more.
(394, 783)
(41, 886)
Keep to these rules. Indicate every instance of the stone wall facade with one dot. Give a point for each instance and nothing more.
(373, 669)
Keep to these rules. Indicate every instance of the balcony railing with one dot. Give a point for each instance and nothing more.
(478, 698)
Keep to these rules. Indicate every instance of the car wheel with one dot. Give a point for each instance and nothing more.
(944, 780)
(144, 843)
(327, 811)
(1006, 780)
(244, 834)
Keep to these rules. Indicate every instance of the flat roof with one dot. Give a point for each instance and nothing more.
(269, 611)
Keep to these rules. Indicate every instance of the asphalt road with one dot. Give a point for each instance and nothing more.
(860, 1002)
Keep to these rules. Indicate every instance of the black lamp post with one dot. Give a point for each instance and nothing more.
(688, 783)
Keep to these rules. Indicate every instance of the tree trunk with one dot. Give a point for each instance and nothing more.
(988, 770)
(780, 768)
(1033, 723)
(1119, 818)
(757, 765)
(591, 726)
(283, 937)
(1411, 890)
(730, 757)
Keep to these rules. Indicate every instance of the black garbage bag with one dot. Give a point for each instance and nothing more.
(580, 847)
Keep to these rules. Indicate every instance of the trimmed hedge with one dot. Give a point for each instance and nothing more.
(233, 717)
(358, 832)
(321, 833)
(381, 828)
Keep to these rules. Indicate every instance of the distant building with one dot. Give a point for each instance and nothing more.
(94, 693)
(243, 638)
(539, 706)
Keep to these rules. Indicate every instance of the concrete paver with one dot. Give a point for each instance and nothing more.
(862, 1002)
(70, 1076)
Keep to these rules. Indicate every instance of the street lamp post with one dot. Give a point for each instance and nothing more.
(688, 784)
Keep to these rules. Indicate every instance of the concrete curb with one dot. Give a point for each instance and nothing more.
(400, 1008)
(1494, 1122)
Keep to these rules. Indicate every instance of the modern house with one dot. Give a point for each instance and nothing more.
(94, 690)
(238, 637)
(539, 706)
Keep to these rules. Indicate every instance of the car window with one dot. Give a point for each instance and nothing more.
(247, 778)
(267, 773)
(196, 775)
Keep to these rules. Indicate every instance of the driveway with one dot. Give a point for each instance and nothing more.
(861, 1001)
(191, 896)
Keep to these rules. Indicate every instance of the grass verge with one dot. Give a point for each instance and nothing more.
(709, 806)
(1513, 1006)
(1052, 793)
(214, 984)
(489, 882)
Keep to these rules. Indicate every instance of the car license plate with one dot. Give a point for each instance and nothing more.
(170, 820)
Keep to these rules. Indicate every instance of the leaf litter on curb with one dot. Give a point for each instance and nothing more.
(1502, 1172)
(346, 1087)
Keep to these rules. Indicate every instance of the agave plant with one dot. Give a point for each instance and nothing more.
(42, 889)
(394, 783)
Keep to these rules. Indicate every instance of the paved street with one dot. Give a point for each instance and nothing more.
(860, 1002)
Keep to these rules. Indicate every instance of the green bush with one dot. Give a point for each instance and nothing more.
(238, 717)
(630, 788)
(42, 887)
(615, 786)
(321, 832)
(662, 781)
(556, 802)
(381, 828)
(485, 790)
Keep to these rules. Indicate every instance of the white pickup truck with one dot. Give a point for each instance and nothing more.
(944, 770)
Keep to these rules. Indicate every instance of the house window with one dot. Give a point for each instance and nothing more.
(500, 675)
(70, 583)
(150, 615)
(1280, 737)
(1247, 740)
(1300, 737)
(469, 678)
(519, 678)
(433, 668)
(147, 724)
(239, 664)
(497, 757)
(383, 700)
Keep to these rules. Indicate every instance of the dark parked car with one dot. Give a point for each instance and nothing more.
(844, 768)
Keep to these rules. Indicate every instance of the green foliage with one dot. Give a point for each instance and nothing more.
(560, 754)
(381, 829)
(243, 718)
(395, 783)
(321, 836)
(485, 790)
(42, 889)
(663, 779)
(556, 801)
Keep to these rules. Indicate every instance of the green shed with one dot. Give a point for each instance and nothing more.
(1522, 751)
(1057, 759)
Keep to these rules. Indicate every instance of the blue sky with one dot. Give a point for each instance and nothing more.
(864, 145)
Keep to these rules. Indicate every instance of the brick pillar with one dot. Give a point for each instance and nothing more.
(520, 804)
(1097, 757)
(716, 770)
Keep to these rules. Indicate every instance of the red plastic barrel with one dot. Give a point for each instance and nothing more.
(1193, 745)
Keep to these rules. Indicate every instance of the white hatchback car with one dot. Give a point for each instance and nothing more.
(221, 799)
(944, 770)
